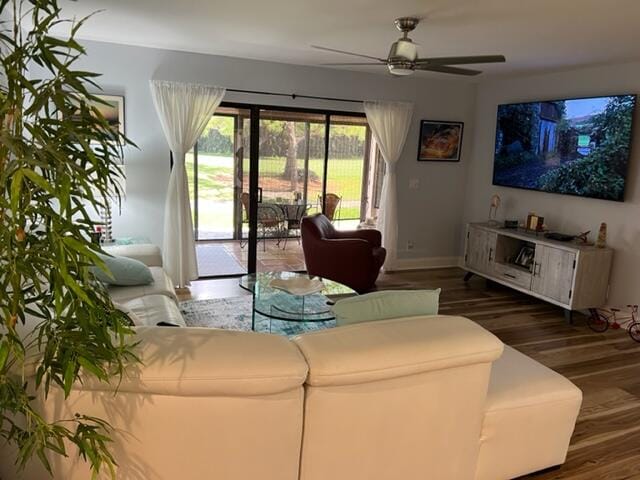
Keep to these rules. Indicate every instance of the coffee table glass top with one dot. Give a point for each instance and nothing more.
(278, 304)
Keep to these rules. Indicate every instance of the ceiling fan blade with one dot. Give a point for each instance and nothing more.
(347, 63)
(447, 69)
(317, 47)
(462, 60)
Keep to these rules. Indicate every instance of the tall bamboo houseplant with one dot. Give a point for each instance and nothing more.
(58, 159)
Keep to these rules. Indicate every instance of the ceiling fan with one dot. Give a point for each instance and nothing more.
(403, 56)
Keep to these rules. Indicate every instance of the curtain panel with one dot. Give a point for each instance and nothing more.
(389, 122)
(184, 110)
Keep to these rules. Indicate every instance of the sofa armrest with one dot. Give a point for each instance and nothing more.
(205, 362)
(374, 237)
(374, 351)
(146, 253)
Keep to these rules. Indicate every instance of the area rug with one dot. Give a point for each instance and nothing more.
(234, 313)
(216, 260)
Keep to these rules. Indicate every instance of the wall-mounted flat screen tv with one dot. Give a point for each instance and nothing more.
(575, 146)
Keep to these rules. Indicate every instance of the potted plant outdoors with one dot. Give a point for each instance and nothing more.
(59, 159)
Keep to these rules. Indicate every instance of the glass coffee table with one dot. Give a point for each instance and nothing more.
(275, 304)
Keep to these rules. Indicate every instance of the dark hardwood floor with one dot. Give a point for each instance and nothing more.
(606, 366)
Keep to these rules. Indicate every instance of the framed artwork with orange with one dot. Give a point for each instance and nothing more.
(440, 141)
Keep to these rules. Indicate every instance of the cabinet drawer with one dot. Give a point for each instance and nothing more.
(512, 275)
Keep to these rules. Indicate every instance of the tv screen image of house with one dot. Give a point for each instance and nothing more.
(574, 146)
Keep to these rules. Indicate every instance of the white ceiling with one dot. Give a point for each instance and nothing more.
(534, 35)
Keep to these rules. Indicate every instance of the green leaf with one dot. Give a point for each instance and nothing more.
(16, 187)
(69, 377)
(91, 367)
(4, 353)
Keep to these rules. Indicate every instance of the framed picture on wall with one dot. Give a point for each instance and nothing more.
(440, 141)
(112, 109)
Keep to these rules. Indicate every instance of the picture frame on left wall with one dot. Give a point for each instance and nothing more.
(112, 109)
(440, 141)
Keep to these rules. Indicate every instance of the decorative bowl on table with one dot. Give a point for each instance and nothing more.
(298, 285)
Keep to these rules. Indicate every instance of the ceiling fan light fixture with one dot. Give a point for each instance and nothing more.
(403, 49)
(403, 57)
(401, 69)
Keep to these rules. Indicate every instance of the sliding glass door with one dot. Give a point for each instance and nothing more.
(218, 174)
(257, 171)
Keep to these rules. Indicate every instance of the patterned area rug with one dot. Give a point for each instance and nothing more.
(234, 313)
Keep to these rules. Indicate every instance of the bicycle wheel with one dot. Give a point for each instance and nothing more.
(596, 322)
(634, 331)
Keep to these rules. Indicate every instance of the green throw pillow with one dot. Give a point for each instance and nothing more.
(386, 305)
(123, 271)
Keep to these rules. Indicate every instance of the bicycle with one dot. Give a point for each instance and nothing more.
(600, 319)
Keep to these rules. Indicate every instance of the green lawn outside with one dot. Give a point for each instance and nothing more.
(215, 182)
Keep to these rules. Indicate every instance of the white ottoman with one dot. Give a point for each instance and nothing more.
(530, 415)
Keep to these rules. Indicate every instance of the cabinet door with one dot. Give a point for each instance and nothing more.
(553, 273)
(481, 247)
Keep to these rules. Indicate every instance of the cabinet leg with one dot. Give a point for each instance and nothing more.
(467, 276)
(568, 316)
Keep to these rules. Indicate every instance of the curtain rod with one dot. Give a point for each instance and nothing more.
(294, 95)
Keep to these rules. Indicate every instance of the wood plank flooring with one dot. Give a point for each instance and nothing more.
(606, 366)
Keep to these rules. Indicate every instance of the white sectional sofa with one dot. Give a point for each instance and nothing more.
(434, 397)
(153, 303)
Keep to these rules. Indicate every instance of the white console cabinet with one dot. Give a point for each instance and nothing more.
(566, 274)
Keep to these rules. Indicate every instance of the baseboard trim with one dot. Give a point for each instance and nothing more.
(428, 263)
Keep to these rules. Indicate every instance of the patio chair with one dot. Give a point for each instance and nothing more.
(293, 220)
(270, 220)
(331, 206)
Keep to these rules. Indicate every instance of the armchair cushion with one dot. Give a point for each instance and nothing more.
(386, 305)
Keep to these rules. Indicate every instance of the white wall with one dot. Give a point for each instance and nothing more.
(562, 213)
(429, 217)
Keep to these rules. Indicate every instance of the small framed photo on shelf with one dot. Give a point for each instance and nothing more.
(440, 141)
(525, 257)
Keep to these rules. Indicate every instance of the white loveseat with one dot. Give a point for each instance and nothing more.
(424, 397)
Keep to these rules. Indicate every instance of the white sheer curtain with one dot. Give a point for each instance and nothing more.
(389, 122)
(184, 110)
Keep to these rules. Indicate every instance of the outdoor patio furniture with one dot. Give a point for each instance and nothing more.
(293, 214)
(331, 206)
(271, 220)
(353, 258)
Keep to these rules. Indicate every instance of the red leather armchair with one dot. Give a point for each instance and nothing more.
(352, 258)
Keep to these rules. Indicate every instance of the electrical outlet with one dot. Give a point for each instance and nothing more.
(409, 245)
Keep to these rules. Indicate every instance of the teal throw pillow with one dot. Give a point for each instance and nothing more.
(123, 271)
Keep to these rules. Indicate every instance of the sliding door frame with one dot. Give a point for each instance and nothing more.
(254, 161)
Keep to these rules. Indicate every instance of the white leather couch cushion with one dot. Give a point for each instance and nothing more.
(392, 348)
(153, 309)
(530, 416)
(148, 254)
(206, 404)
(206, 362)
(162, 285)
(395, 399)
